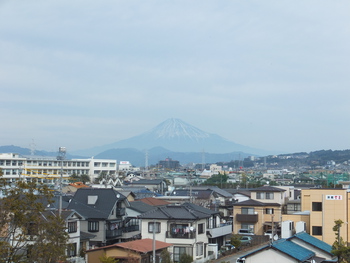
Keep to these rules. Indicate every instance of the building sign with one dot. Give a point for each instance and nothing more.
(334, 197)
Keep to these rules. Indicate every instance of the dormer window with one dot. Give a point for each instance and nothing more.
(92, 199)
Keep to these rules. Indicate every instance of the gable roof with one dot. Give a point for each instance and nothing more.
(147, 182)
(268, 189)
(198, 193)
(140, 207)
(178, 212)
(106, 199)
(140, 245)
(313, 241)
(293, 250)
(153, 201)
(252, 202)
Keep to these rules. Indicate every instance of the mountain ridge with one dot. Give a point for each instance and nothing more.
(178, 136)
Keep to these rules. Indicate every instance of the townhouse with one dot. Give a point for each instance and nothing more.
(262, 212)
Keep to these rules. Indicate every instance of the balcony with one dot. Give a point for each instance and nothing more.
(247, 218)
(114, 233)
(223, 230)
(131, 228)
(190, 235)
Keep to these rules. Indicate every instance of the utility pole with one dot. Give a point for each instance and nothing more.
(61, 156)
(154, 241)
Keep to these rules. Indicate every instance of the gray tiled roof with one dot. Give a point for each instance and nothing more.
(268, 189)
(107, 197)
(178, 212)
(147, 182)
(140, 206)
(198, 193)
(252, 202)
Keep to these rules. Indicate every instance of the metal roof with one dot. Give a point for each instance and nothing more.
(313, 241)
(293, 250)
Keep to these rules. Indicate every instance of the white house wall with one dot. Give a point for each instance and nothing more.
(270, 256)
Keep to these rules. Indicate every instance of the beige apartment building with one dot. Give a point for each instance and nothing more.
(326, 206)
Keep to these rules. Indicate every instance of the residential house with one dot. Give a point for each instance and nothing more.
(138, 251)
(155, 185)
(192, 229)
(300, 248)
(103, 210)
(262, 212)
(78, 240)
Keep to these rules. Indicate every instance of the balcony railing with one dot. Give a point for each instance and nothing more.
(190, 235)
(131, 228)
(114, 233)
(222, 230)
(247, 218)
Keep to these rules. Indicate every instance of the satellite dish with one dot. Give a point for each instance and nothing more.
(118, 195)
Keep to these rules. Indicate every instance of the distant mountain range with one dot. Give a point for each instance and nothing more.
(172, 138)
(177, 136)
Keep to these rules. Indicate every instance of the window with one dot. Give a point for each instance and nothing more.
(156, 226)
(269, 196)
(200, 228)
(199, 249)
(317, 230)
(260, 195)
(72, 227)
(178, 251)
(93, 226)
(269, 211)
(247, 210)
(316, 206)
(72, 250)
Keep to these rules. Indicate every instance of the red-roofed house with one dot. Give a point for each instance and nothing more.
(140, 250)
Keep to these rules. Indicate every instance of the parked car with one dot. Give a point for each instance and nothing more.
(246, 241)
(245, 232)
(268, 233)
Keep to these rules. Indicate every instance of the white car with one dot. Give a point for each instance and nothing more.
(245, 232)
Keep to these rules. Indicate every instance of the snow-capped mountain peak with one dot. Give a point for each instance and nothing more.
(176, 128)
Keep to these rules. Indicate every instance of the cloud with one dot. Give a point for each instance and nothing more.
(99, 71)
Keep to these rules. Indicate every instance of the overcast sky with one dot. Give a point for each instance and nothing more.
(267, 74)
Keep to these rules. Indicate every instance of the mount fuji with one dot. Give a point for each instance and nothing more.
(177, 136)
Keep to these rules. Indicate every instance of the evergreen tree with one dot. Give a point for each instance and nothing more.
(340, 248)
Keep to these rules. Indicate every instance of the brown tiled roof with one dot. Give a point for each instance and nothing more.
(153, 201)
(78, 185)
(141, 245)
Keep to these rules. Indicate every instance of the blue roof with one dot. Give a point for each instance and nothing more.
(314, 241)
(293, 250)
